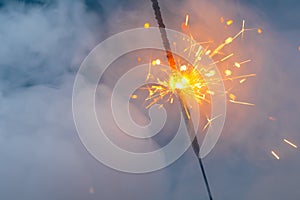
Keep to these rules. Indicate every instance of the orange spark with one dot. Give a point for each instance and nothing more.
(229, 22)
(183, 68)
(232, 97)
(134, 96)
(243, 80)
(228, 72)
(186, 20)
(259, 31)
(275, 155)
(242, 103)
(238, 64)
(290, 143)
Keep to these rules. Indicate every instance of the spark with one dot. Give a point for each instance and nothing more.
(134, 96)
(290, 143)
(186, 20)
(227, 57)
(146, 25)
(259, 31)
(228, 72)
(153, 62)
(238, 64)
(229, 22)
(275, 155)
(209, 121)
(242, 103)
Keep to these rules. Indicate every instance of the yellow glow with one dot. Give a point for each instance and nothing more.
(228, 40)
(238, 65)
(259, 31)
(134, 96)
(243, 80)
(153, 63)
(232, 97)
(228, 72)
(183, 68)
(146, 25)
(187, 80)
(229, 22)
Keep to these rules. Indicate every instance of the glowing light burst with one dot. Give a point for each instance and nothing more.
(187, 77)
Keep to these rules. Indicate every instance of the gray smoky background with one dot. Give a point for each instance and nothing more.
(42, 46)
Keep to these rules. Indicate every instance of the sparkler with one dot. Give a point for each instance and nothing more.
(185, 81)
(178, 82)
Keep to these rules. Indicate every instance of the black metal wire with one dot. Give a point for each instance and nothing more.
(172, 64)
(163, 33)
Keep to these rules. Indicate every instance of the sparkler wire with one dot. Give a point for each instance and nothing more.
(185, 110)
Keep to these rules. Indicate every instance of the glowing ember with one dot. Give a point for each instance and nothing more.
(134, 96)
(275, 155)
